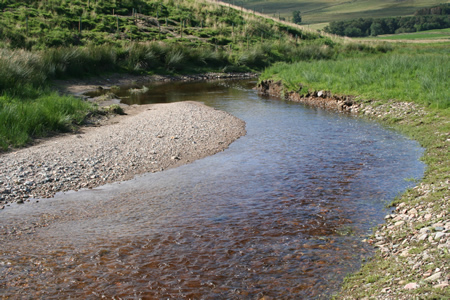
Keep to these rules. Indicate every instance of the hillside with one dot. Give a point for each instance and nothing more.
(325, 11)
(42, 24)
(44, 40)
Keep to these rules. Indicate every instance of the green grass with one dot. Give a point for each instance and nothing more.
(42, 40)
(418, 77)
(330, 10)
(38, 25)
(440, 34)
(23, 119)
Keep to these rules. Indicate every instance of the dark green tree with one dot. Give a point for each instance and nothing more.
(296, 18)
(376, 29)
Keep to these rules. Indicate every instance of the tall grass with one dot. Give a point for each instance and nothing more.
(20, 68)
(422, 78)
(21, 120)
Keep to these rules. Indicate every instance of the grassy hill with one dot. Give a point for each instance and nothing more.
(324, 11)
(43, 40)
(53, 23)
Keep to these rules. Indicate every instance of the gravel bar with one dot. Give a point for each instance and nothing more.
(150, 138)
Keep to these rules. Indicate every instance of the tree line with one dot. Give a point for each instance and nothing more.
(424, 19)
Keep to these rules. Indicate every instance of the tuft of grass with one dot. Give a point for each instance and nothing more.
(21, 120)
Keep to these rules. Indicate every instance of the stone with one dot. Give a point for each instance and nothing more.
(434, 277)
(439, 235)
(423, 237)
(397, 218)
(399, 223)
(411, 286)
(412, 211)
(405, 253)
(425, 230)
(441, 285)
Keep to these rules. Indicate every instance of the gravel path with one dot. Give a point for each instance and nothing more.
(150, 138)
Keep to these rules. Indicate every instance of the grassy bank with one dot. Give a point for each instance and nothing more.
(409, 264)
(419, 75)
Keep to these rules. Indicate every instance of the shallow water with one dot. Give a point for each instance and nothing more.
(281, 212)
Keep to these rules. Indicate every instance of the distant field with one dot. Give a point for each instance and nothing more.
(437, 34)
(323, 11)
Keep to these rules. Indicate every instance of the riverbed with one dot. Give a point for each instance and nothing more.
(281, 213)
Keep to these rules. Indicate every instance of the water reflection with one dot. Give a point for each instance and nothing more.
(280, 213)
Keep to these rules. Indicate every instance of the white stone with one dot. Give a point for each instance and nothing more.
(434, 277)
(423, 237)
(439, 235)
(411, 286)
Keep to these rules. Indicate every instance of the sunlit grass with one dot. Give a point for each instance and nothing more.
(421, 78)
(23, 119)
(336, 10)
(422, 35)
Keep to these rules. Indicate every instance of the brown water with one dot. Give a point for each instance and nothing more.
(281, 213)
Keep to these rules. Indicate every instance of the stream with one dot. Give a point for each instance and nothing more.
(281, 213)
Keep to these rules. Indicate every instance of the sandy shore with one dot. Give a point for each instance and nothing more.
(149, 138)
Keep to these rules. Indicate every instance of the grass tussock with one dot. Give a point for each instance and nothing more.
(21, 120)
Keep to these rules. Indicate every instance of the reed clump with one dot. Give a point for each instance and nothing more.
(23, 119)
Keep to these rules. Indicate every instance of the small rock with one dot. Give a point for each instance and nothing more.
(423, 237)
(439, 235)
(405, 253)
(441, 285)
(425, 230)
(434, 277)
(411, 286)
(399, 223)
(412, 211)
